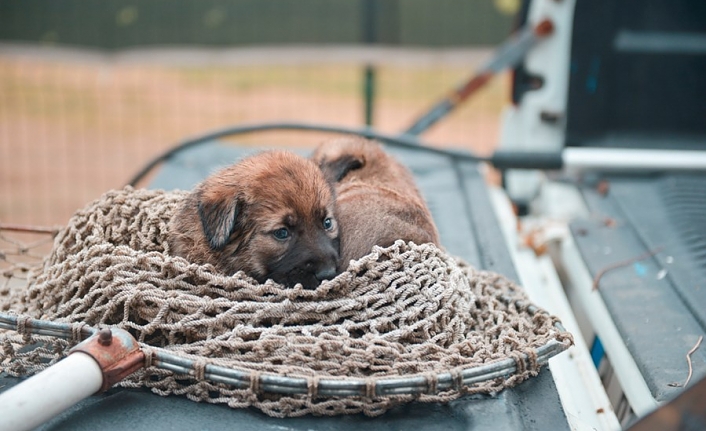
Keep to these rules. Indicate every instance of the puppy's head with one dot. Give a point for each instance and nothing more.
(338, 157)
(352, 158)
(271, 216)
(377, 199)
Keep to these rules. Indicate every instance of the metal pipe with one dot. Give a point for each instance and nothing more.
(122, 355)
(43, 396)
(624, 160)
(94, 365)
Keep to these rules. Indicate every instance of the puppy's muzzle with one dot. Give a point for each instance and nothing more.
(326, 272)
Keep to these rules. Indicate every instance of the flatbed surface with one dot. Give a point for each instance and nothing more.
(459, 202)
(650, 232)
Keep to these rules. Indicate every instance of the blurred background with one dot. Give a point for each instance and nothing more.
(90, 91)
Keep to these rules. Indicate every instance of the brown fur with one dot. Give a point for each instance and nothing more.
(376, 198)
(230, 220)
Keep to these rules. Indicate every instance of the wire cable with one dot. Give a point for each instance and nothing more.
(403, 141)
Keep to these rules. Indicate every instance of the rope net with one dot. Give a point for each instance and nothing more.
(400, 311)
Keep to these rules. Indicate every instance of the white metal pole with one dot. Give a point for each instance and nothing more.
(43, 396)
(616, 159)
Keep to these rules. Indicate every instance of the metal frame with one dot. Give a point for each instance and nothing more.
(326, 387)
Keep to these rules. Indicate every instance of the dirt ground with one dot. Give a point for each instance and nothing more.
(70, 130)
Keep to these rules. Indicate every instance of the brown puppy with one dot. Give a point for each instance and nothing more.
(377, 200)
(270, 215)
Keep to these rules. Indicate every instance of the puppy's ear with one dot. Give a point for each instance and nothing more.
(337, 169)
(218, 217)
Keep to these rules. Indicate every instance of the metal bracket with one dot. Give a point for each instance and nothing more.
(116, 352)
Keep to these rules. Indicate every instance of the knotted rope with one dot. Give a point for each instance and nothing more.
(403, 310)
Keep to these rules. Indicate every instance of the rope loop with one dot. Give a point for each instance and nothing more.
(149, 356)
(432, 383)
(532, 360)
(199, 370)
(520, 364)
(77, 332)
(312, 384)
(23, 328)
(370, 385)
(457, 379)
(255, 382)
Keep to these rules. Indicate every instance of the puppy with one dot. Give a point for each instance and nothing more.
(270, 215)
(377, 200)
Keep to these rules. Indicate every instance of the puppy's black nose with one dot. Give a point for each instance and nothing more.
(326, 272)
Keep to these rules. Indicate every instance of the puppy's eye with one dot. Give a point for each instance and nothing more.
(328, 223)
(281, 234)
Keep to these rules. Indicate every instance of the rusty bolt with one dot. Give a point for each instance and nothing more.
(544, 28)
(117, 353)
(105, 337)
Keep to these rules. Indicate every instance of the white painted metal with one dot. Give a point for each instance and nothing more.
(43, 396)
(522, 127)
(581, 286)
(626, 160)
(557, 204)
(583, 398)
